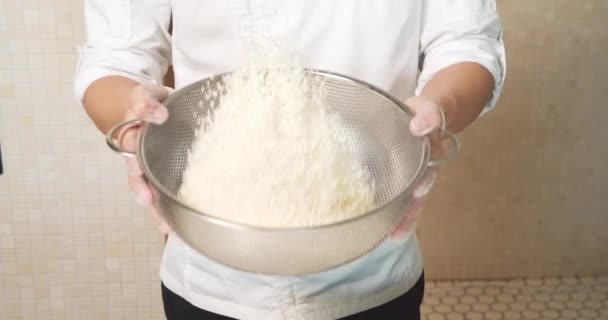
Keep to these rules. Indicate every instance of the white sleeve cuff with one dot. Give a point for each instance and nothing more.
(94, 64)
(489, 53)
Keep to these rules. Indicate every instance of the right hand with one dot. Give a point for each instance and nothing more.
(429, 119)
(145, 103)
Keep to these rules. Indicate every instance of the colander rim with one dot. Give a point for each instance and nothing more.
(420, 171)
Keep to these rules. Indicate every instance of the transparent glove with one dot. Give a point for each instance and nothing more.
(428, 119)
(145, 104)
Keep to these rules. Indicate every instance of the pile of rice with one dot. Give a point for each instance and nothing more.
(270, 155)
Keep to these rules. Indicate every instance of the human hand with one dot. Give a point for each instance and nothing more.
(146, 105)
(428, 121)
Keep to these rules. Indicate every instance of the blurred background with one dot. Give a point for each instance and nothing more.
(528, 194)
(524, 205)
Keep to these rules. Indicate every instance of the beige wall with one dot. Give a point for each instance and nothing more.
(72, 246)
(528, 195)
(523, 198)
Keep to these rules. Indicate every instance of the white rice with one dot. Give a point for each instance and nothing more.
(270, 157)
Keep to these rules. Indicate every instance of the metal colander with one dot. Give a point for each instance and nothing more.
(376, 130)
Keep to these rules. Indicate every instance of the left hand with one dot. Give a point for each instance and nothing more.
(426, 122)
(145, 104)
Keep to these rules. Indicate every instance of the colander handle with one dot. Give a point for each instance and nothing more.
(116, 144)
(452, 153)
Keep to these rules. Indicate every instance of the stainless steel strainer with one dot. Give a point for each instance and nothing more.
(376, 130)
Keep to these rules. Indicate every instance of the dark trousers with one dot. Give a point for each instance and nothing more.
(406, 306)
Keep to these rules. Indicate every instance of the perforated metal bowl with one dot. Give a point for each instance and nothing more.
(376, 130)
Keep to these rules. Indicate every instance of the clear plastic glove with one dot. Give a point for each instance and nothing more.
(427, 121)
(146, 105)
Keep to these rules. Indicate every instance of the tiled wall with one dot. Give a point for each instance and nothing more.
(72, 246)
(524, 197)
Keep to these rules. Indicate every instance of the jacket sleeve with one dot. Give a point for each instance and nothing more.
(455, 31)
(127, 38)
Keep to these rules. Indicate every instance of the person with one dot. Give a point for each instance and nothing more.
(445, 58)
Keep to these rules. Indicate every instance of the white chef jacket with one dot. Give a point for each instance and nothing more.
(383, 42)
